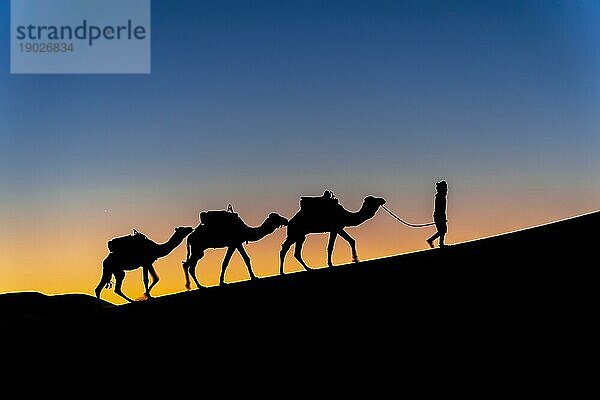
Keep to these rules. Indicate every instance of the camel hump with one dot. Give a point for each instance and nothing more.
(220, 218)
(129, 244)
(319, 203)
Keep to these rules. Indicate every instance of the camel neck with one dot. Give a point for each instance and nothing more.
(256, 233)
(360, 216)
(169, 245)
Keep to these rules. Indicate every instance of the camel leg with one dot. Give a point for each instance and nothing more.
(193, 274)
(185, 266)
(189, 268)
(298, 252)
(146, 280)
(332, 237)
(119, 276)
(351, 242)
(155, 279)
(226, 260)
(246, 259)
(284, 249)
(104, 280)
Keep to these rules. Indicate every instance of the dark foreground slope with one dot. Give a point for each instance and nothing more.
(530, 290)
(33, 308)
(513, 314)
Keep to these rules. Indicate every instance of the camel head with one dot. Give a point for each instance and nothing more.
(277, 220)
(183, 231)
(373, 202)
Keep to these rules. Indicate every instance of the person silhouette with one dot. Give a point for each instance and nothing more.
(439, 214)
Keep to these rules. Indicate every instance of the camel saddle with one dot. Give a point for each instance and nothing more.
(318, 204)
(221, 219)
(135, 243)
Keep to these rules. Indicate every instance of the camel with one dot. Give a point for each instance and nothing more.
(332, 219)
(210, 236)
(117, 263)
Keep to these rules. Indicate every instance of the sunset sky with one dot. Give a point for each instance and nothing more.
(257, 103)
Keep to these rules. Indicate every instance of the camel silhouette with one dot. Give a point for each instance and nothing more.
(116, 263)
(332, 218)
(218, 236)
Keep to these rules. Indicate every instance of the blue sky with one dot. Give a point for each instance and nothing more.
(487, 81)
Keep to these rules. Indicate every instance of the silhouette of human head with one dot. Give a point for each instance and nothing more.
(442, 187)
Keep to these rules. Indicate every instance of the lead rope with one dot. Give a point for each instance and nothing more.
(407, 223)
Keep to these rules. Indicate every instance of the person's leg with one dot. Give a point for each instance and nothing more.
(431, 239)
(443, 228)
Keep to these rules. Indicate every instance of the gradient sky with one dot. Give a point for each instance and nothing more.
(256, 103)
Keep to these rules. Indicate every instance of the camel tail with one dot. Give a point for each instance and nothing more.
(105, 280)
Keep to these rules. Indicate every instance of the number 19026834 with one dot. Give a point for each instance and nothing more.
(46, 47)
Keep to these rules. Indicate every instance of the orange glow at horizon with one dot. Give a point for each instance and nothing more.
(64, 253)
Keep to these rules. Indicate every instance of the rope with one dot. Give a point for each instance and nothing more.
(407, 223)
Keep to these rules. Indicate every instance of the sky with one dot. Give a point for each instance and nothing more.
(256, 103)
